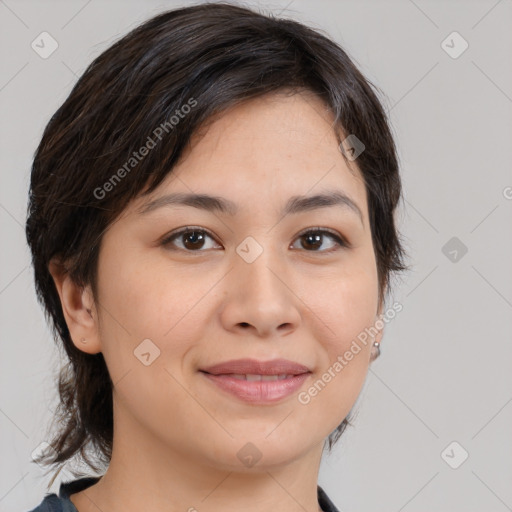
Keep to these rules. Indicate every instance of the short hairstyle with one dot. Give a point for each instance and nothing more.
(210, 57)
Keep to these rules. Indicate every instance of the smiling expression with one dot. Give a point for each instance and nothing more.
(257, 245)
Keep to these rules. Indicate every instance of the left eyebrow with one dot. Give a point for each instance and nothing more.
(294, 205)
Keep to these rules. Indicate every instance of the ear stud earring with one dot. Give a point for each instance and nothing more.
(375, 351)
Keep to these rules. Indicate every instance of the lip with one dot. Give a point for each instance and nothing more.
(255, 367)
(258, 392)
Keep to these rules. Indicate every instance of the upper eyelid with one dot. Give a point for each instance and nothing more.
(186, 229)
(334, 234)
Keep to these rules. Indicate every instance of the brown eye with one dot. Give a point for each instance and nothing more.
(192, 239)
(313, 240)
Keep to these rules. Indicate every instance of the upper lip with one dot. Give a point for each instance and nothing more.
(255, 367)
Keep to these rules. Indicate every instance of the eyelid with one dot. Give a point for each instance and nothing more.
(321, 229)
(169, 236)
(335, 235)
(339, 239)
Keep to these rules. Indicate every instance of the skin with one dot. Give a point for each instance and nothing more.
(176, 435)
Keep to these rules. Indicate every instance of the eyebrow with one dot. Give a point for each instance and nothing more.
(294, 205)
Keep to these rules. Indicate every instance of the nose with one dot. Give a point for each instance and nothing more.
(260, 298)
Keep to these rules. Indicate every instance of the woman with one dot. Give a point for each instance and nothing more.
(211, 219)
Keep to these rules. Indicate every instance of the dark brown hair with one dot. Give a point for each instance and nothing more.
(218, 55)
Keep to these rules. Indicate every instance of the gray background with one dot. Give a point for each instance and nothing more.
(445, 370)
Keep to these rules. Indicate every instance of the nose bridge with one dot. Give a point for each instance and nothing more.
(258, 265)
(259, 296)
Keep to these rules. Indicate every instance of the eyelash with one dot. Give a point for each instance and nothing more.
(340, 241)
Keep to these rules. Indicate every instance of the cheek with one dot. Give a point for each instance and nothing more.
(347, 304)
(149, 322)
(153, 300)
(346, 310)
(145, 296)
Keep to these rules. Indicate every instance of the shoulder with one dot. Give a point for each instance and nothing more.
(50, 503)
(325, 502)
(61, 502)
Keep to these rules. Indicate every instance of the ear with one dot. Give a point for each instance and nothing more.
(378, 336)
(79, 309)
(380, 333)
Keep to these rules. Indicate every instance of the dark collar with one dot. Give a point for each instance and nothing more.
(68, 488)
(325, 503)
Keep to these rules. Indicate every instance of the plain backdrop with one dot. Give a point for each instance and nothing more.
(433, 430)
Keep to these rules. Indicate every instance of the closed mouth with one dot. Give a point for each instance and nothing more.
(254, 377)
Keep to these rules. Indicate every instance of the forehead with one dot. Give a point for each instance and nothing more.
(288, 125)
(265, 148)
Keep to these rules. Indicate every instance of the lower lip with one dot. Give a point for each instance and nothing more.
(258, 391)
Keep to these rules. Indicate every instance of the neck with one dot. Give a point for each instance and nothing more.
(148, 474)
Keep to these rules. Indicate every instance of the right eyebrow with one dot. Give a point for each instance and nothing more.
(294, 205)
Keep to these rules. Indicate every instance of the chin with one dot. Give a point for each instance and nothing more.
(246, 453)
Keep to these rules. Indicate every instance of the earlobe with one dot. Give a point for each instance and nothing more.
(378, 337)
(378, 321)
(378, 318)
(78, 309)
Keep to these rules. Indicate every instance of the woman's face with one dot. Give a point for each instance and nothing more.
(251, 284)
